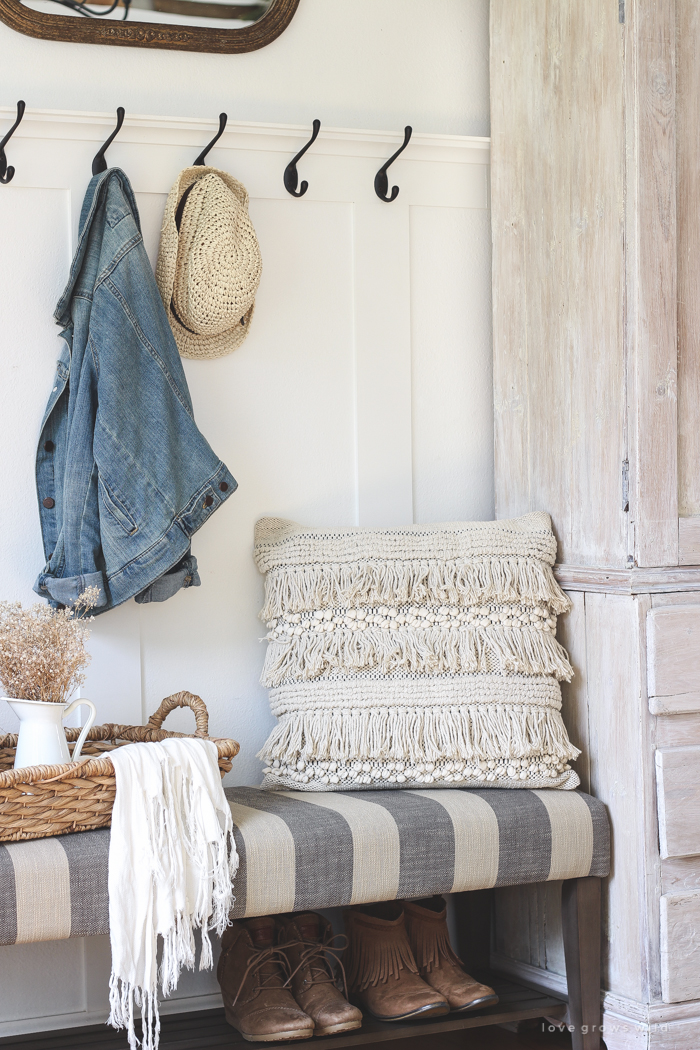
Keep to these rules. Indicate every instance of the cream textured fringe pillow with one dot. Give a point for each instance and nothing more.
(414, 656)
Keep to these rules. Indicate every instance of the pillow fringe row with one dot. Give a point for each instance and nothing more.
(518, 650)
(474, 731)
(460, 582)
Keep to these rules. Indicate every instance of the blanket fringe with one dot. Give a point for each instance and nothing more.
(420, 734)
(504, 650)
(457, 582)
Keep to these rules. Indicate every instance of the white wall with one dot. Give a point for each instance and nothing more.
(352, 63)
(363, 393)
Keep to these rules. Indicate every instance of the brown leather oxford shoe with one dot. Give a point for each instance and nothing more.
(253, 972)
(307, 941)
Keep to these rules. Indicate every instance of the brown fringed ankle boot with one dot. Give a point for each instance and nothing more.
(426, 923)
(307, 941)
(382, 973)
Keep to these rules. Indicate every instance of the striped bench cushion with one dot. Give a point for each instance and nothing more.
(301, 851)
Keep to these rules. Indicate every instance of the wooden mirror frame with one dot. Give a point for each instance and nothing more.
(149, 34)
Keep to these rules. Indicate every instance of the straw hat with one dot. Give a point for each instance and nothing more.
(209, 262)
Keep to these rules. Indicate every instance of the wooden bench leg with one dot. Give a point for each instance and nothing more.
(580, 903)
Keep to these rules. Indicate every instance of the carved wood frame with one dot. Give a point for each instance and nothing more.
(148, 34)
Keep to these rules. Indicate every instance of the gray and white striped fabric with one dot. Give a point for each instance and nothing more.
(300, 851)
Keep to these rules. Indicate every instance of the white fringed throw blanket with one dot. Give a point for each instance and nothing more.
(172, 860)
(414, 656)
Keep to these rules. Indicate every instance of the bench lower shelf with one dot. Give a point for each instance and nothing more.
(197, 1031)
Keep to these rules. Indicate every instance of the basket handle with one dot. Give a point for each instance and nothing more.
(183, 699)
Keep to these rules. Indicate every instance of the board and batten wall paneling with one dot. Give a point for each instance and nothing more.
(688, 252)
(558, 270)
(371, 338)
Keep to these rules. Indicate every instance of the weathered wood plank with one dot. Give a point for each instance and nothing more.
(621, 777)
(678, 793)
(558, 270)
(651, 279)
(680, 930)
(673, 659)
(688, 240)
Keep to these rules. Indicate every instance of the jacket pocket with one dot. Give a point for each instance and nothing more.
(117, 508)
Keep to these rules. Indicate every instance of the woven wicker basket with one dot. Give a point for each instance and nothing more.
(40, 801)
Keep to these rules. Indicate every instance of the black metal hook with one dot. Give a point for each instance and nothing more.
(99, 164)
(202, 158)
(7, 174)
(291, 177)
(381, 179)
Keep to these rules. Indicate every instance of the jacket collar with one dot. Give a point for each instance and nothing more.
(97, 190)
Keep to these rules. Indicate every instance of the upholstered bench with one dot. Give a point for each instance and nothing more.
(304, 851)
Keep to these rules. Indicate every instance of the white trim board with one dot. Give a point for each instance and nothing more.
(251, 135)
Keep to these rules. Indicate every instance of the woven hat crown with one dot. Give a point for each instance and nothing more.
(209, 262)
(218, 260)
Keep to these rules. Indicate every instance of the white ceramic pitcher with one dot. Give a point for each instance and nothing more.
(42, 738)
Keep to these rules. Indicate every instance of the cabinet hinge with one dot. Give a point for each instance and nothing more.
(625, 485)
(621, 11)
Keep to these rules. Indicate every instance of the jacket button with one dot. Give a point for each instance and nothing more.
(49, 446)
(208, 501)
(223, 485)
(48, 503)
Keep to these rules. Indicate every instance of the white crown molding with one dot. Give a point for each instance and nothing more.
(275, 138)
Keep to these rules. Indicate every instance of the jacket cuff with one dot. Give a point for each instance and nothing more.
(65, 590)
(207, 500)
(184, 574)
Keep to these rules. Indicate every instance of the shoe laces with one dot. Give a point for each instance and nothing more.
(320, 957)
(258, 959)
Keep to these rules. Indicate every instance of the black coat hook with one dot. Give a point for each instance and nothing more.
(291, 177)
(381, 179)
(7, 174)
(202, 158)
(99, 164)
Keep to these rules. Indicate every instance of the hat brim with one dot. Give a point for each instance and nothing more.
(208, 346)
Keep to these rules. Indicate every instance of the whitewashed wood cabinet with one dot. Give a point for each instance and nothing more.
(596, 262)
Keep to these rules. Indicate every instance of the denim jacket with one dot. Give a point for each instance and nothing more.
(124, 477)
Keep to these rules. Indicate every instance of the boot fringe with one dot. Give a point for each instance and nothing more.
(375, 956)
(430, 945)
(460, 581)
(435, 650)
